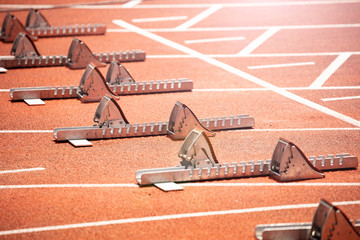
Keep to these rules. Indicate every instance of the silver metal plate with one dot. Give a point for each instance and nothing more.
(80, 143)
(34, 101)
(169, 186)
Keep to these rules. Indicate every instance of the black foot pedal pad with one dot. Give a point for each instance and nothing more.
(329, 223)
(24, 54)
(106, 131)
(198, 163)
(37, 26)
(93, 86)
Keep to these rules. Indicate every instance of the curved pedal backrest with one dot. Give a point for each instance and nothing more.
(329, 222)
(92, 87)
(289, 163)
(11, 27)
(117, 74)
(80, 56)
(197, 151)
(182, 121)
(35, 19)
(23, 47)
(109, 113)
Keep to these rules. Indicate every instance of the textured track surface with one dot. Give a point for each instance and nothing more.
(278, 62)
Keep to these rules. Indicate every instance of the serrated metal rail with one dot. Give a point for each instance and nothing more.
(234, 170)
(172, 85)
(122, 89)
(9, 62)
(144, 129)
(74, 30)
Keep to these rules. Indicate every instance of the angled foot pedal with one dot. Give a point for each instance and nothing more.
(105, 131)
(37, 26)
(93, 86)
(329, 223)
(24, 54)
(199, 164)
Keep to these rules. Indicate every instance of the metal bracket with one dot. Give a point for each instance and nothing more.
(24, 54)
(329, 223)
(109, 114)
(37, 26)
(135, 130)
(199, 164)
(93, 86)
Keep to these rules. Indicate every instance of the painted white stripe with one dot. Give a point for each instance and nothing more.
(204, 184)
(258, 41)
(340, 98)
(85, 185)
(330, 70)
(201, 16)
(275, 184)
(239, 73)
(217, 29)
(214, 40)
(159, 19)
(22, 170)
(26, 131)
(282, 65)
(241, 130)
(256, 89)
(131, 3)
(171, 217)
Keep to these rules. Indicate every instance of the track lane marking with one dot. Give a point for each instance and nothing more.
(340, 98)
(131, 3)
(207, 40)
(330, 70)
(201, 16)
(204, 184)
(22, 170)
(217, 29)
(240, 130)
(281, 65)
(159, 19)
(196, 5)
(239, 73)
(259, 40)
(171, 217)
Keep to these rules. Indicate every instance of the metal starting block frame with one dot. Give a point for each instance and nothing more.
(37, 26)
(199, 163)
(112, 123)
(93, 86)
(329, 223)
(24, 54)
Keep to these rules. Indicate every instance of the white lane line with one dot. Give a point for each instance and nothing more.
(201, 16)
(22, 170)
(254, 89)
(170, 217)
(131, 3)
(239, 73)
(258, 41)
(223, 29)
(159, 19)
(282, 65)
(85, 185)
(214, 40)
(130, 185)
(340, 98)
(330, 70)
(26, 131)
(242, 130)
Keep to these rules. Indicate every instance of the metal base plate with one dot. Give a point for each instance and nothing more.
(80, 143)
(35, 101)
(169, 186)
